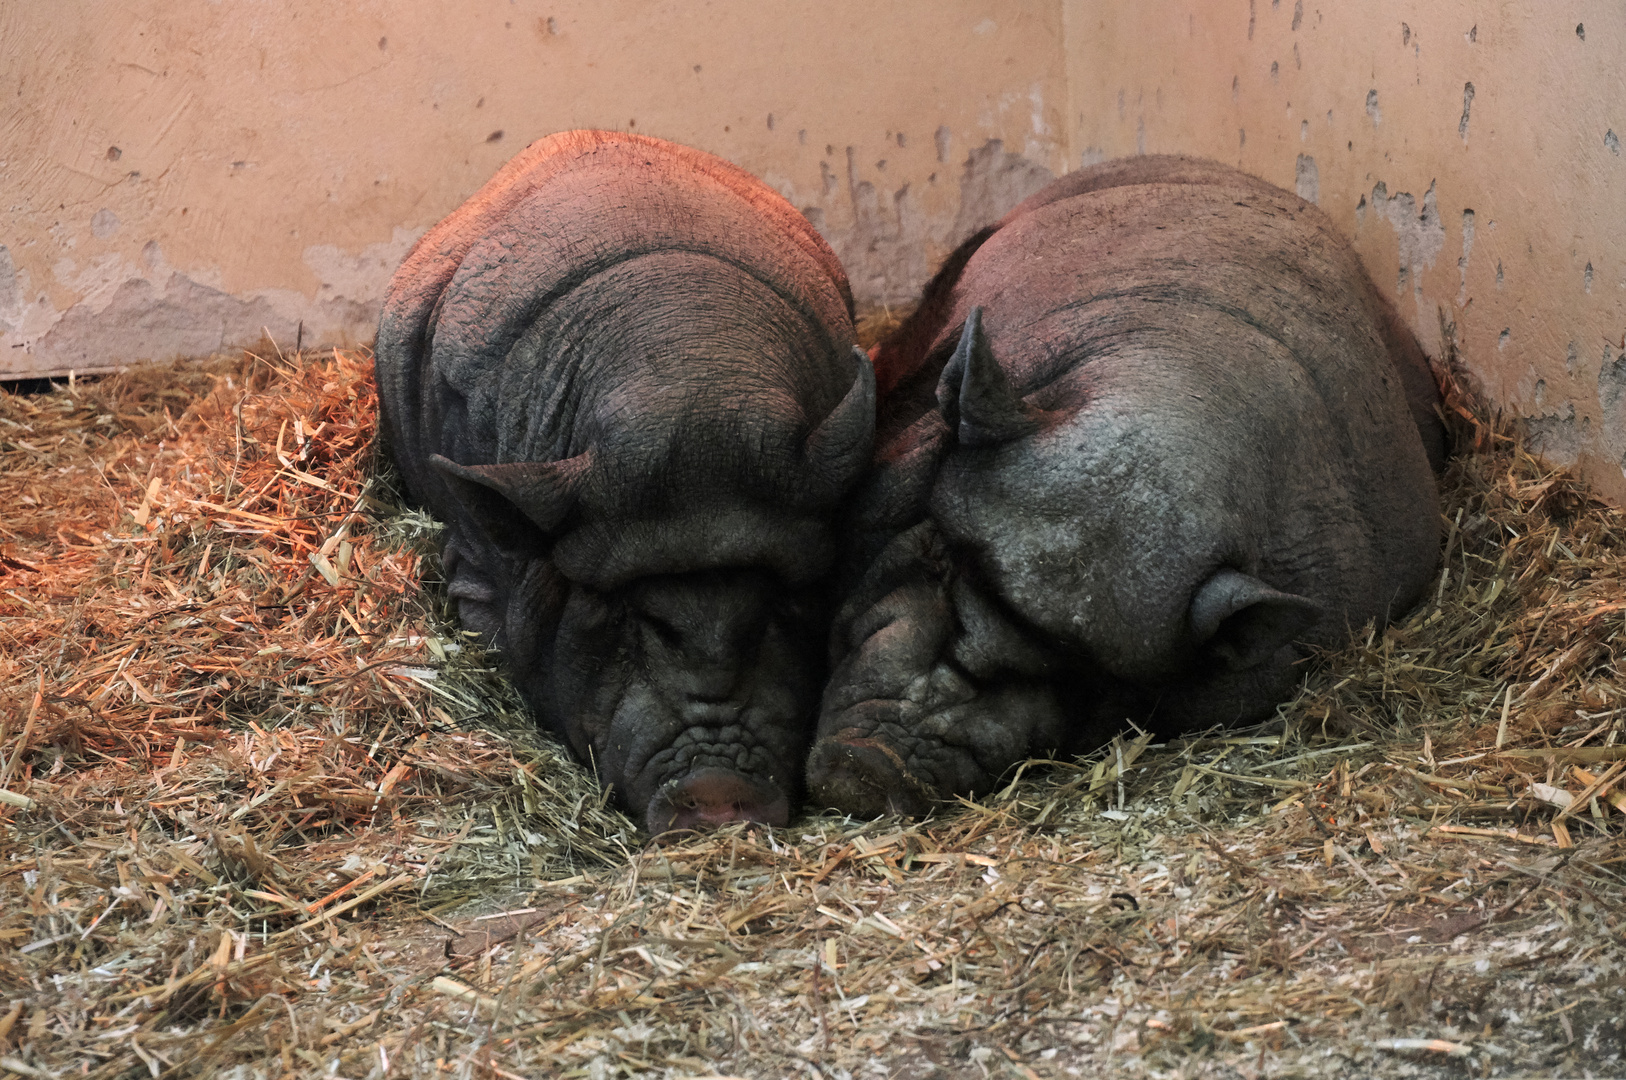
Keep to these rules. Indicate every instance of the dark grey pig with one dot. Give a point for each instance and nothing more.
(1144, 441)
(623, 374)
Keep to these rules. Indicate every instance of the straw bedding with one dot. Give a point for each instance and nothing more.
(268, 813)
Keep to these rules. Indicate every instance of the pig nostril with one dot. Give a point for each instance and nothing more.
(861, 775)
(716, 796)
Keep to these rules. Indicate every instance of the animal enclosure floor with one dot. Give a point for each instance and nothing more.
(267, 813)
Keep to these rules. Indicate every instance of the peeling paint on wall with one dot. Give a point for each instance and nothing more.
(360, 277)
(1307, 179)
(174, 317)
(993, 182)
(883, 248)
(1612, 406)
(284, 160)
(1557, 437)
(887, 242)
(11, 294)
(104, 223)
(148, 309)
(177, 173)
(1462, 261)
(1494, 130)
(1420, 235)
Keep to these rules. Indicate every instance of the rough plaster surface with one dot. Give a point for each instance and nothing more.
(177, 176)
(890, 246)
(182, 176)
(1470, 149)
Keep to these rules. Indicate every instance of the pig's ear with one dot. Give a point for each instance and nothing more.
(838, 449)
(975, 397)
(544, 491)
(1245, 622)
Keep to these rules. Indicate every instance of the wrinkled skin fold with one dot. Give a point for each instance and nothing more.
(624, 376)
(1143, 444)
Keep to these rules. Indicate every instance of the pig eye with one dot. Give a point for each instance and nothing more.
(665, 631)
(794, 608)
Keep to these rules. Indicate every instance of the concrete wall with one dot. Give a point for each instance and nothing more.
(178, 174)
(1471, 151)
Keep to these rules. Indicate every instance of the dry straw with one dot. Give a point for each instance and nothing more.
(268, 813)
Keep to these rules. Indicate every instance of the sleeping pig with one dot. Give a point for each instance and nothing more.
(623, 374)
(1145, 441)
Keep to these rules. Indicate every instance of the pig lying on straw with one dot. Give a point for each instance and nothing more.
(623, 374)
(1144, 440)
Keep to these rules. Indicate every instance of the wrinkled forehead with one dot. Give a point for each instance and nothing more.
(606, 554)
(710, 484)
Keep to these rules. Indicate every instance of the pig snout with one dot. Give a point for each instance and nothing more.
(712, 723)
(715, 796)
(864, 777)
